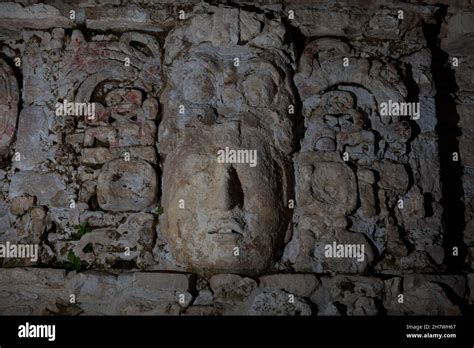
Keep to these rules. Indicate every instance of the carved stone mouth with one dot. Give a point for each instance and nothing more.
(224, 231)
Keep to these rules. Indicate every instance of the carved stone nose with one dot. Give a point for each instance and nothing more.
(228, 192)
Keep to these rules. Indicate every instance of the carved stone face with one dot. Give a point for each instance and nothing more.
(226, 205)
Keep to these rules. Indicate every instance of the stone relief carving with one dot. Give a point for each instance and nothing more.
(9, 106)
(231, 96)
(138, 191)
(347, 137)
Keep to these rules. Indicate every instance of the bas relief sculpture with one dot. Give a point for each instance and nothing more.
(8, 107)
(226, 206)
(235, 96)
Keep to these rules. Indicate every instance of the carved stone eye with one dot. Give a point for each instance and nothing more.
(198, 88)
(259, 90)
(331, 121)
(346, 120)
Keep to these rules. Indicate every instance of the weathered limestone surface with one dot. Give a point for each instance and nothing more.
(96, 294)
(132, 210)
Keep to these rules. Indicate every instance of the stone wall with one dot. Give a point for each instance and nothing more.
(132, 211)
